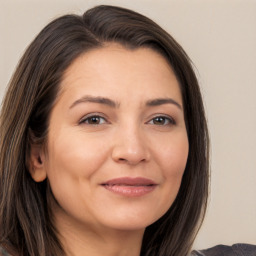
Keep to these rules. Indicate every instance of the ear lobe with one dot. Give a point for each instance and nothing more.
(36, 163)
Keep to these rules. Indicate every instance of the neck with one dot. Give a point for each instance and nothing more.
(90, 240)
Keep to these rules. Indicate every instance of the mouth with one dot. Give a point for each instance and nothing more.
(130, 187)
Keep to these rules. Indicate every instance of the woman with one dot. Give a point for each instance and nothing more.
(104, 143)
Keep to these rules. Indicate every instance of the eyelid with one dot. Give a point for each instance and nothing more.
(103, 116)
(168, 117)
(96, 114)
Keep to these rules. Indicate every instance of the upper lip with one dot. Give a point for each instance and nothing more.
(130, 181)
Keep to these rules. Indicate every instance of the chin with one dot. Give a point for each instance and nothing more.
(130, 221)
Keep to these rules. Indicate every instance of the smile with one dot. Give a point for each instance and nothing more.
(130, 187)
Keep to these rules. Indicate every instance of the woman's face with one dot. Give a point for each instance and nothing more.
(117, 145)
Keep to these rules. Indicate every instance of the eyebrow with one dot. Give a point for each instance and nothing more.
(93, 99)
(113, 104)
(158, 102)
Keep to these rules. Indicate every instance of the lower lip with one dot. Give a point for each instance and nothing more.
(130, 191)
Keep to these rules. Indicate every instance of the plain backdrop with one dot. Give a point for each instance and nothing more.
(220, 38)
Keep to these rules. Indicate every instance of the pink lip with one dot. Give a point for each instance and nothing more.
(130, 187)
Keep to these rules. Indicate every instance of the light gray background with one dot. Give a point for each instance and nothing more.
(220, 37)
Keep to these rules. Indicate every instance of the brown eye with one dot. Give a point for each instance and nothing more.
(159, 120)
(162, 120)
(93, 120)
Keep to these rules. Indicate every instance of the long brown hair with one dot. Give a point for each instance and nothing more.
(26, 222)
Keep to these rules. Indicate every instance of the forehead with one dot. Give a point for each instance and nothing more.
(114, 67)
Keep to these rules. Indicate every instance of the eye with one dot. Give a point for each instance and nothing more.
(162, 120)
(93, 120)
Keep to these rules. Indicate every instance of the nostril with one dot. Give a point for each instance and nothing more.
(130, 161)
(129, 154)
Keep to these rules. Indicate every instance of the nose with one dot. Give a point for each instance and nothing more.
(130, 147)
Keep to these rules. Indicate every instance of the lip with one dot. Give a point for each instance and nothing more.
(129, 186)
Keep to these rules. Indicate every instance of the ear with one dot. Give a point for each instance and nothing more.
(36, 163)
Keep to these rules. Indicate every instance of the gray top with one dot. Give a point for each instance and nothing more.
(219, 250)
(223, 250)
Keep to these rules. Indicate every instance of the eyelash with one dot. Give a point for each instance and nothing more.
(86, 119)
(167, 120)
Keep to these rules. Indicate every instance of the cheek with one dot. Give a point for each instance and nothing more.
(176, 160)
(172, 158)
(72, 163)
(172, 154)
(75, 155)
(72, 160)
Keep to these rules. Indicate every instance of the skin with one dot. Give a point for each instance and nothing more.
(90, 143)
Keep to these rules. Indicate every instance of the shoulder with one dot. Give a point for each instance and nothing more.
(224, 250)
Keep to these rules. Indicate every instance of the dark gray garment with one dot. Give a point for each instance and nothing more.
(219, 250)
(224, 250)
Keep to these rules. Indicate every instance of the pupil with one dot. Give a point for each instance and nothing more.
(159, 120)
(94, 120)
